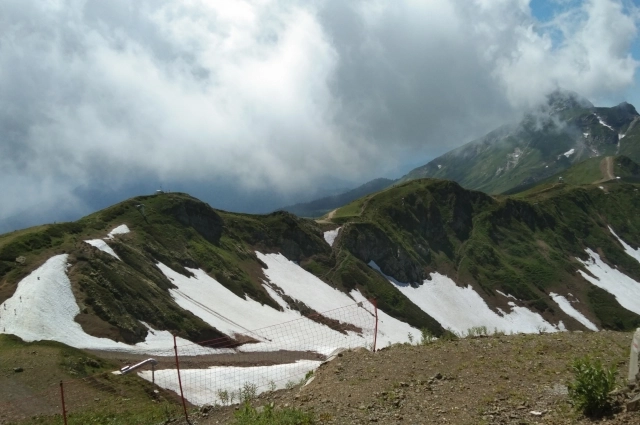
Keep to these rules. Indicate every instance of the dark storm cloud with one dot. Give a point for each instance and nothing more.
(275, 94)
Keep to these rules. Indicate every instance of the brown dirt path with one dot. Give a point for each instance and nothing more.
(606, 168)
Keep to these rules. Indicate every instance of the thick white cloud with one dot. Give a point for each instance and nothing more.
(276, 94)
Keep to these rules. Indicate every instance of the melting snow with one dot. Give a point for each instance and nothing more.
(635, 253)
(569, 152)
(331, 235)
(585, 134)
(120, 230)
(462, 308)
(439, 166)
(301, 285)
(566, 306)
(43, 308)
(625, 289)
(621, 136)
(201, 386)
(103, 246)
(604, 123)
(506, 295)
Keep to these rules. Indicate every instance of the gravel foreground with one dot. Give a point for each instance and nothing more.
(509, 379)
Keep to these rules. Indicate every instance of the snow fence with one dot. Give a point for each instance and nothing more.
(222, 371)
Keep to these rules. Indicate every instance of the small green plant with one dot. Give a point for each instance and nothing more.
(268, 415)
(272, 386)
(410, 338)
(223, 396)
(477, 331)
(308, 375)
(427, 337)
(248, 392)
(589, 392)
(290, 385)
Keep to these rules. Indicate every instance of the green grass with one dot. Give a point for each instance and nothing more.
(268, 415)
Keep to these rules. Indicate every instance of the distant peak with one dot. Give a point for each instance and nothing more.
(627, 108)
(560, 100)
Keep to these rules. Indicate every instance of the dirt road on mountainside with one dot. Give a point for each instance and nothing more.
(515, 379)
(606, 168)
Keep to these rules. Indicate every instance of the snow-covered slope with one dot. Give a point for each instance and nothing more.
(460, 309)
(43, 307)
(625, 289)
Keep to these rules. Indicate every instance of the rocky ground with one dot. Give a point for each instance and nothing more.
(515, 379)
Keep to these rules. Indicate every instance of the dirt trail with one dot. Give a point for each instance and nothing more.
(606, 168)
(328, 218)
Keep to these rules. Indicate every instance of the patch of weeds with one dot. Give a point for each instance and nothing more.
(248, 392)
(426, 336)
(268, 415)
(589, 392)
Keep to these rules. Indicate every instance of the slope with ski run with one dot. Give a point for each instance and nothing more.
(461, 309)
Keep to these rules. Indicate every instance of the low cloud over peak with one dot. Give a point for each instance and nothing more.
(277, 94)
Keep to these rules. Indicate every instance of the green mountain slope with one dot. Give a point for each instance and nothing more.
(178, 231)
(523, 247)
(565, 131)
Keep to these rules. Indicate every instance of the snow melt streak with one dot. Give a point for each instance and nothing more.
(566, 306)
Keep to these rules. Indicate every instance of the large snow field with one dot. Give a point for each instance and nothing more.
(43, 308)
(621, 286)
(215, 304)
(201, 386)
(275, 330)
(460, 309)
(565, 305)
(331, 235)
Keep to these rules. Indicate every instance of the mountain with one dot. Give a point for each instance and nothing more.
(434, 255)
(322, 206)
(564, 131)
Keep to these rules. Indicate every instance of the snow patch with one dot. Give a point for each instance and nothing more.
(635, 253)
(331, 235)
(120, 230)
(43, 308)
(462, 308)
(621, 136)
(569, 152)
(566, 306)
(201, 391)
(621, 286)
(103, 246)
(506, 295)
(604, 123)
(439, 166)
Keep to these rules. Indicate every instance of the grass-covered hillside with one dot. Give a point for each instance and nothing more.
(527, 246)
(115, 295)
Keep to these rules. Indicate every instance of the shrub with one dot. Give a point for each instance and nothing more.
(247, 415)
(592, 384)
(426, 337)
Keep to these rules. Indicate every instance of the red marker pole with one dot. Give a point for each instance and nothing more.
(184, 405)
(375, 332)
(64, 410)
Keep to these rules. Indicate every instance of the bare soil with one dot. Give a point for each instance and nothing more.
(519, 379)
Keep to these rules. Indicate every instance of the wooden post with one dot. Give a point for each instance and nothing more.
(184, 405)
(64, 410)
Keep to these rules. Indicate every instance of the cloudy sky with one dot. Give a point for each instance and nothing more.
(243, 101)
